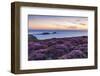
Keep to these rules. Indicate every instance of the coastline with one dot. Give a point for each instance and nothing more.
(58, 48)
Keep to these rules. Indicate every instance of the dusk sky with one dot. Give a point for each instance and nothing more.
(43, 22)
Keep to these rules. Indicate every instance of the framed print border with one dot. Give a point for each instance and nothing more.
(15, 37)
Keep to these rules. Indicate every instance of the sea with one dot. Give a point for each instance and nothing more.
(48, 34)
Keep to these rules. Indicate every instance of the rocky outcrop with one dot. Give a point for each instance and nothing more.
(58, 48)
(31, 38)
(46, 33)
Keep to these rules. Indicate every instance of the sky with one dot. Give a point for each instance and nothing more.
(47, 22)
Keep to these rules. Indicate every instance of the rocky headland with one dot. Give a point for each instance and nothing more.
(57, 48)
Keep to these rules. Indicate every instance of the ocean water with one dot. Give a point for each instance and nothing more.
(57, 33)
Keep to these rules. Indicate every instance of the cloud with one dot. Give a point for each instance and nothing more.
(57, 23)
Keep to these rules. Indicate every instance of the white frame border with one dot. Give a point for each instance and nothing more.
(25, 64)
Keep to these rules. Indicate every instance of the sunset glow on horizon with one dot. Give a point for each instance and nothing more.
(44, 22)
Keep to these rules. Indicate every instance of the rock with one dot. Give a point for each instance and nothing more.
(54, 32)
(60, 42)
(30, 47)
(58, 48)
(75, 54)
(37, 56)
(37, 46)
(84, 36)
(51, 43)
(41, 51)
(84, 48)
(32, 38)
(54, 53)
(61, 46)
(63, 57)
(45, 33)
